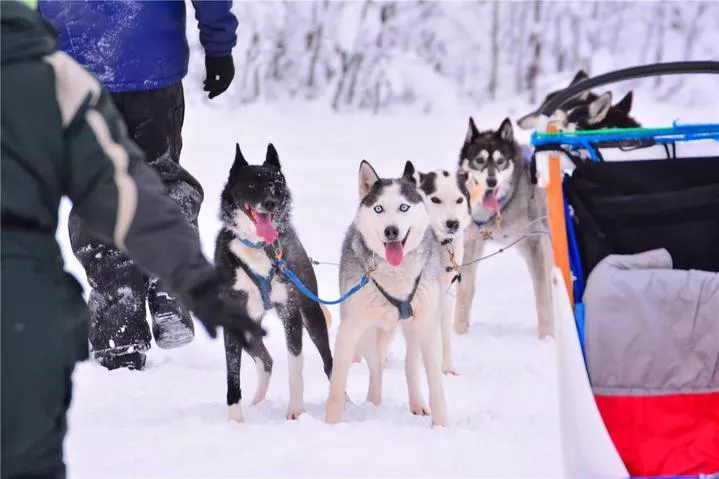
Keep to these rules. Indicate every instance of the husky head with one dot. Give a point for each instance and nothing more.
(600, 113)
(256, 201)
(585, 111)
(490, 158)
(446, 197)
(392, 218)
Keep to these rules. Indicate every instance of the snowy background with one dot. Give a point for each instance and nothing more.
(331, 83)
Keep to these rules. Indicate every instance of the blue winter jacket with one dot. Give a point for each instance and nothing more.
(138, 45)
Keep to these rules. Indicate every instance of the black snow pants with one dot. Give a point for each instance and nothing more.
(120, 290)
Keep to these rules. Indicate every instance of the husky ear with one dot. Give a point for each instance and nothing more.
(237, 164)
(625, 104)
(272, 158)
(599, 108)
(505, 131)
(472, 131)
(581, 75)
(409, 173)
(528, 121)
(367, 178)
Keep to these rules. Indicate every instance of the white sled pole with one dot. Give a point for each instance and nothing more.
(587, 450)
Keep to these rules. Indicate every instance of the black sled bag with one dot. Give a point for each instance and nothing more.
(627, 207)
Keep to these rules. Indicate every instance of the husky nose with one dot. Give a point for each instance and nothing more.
(452, 225)
(269, 204)
(391, 233)
(491, 182)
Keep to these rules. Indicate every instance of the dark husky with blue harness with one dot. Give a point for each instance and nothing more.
(256, 234)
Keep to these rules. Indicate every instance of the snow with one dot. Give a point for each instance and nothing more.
(170, 420)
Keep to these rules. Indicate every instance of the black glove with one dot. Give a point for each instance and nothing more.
(220, 72)
(213, 309)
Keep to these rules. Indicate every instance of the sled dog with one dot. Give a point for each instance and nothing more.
(446, 197)
(256, 225)
(391, 240)
(585, 111)
(505, 204)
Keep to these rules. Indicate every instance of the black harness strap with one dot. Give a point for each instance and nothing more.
(404, 307)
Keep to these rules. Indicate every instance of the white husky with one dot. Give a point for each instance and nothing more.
(390, 239)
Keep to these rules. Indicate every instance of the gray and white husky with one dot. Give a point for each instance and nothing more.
(446, 197)
(506, 204)
(391, 240)
(255, 214)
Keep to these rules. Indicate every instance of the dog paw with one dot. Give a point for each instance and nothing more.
(334, 411)
(234, 413)
(461, 327)
(419, 409)
(449, 371)
(294, 413)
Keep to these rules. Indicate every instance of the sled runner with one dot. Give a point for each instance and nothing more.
(635, 290)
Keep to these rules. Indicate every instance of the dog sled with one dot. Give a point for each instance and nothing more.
(635, 289)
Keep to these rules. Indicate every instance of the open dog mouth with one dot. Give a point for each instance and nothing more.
(394, 250)
(490, 201)
(263, 224)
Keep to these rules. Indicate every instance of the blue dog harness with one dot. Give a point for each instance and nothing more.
(404, 307)
(264, 284)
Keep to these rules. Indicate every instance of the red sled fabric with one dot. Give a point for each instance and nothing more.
(664, 435)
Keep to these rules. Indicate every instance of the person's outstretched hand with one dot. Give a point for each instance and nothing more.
(220, 72)
(213, 309)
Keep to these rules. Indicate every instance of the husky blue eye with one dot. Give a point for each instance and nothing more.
(436, 200)
(378, 209)
(403, 207)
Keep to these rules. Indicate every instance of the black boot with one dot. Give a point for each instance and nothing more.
(134, 360)
(172, 325)
(118, 323)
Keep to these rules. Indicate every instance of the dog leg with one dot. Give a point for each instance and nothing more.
(431, 345)
(349, 333)
(448, 311)
(473, 249)
(384, 337)
(263, 361)
(536, 252)
(316, 325)
(233, 360)
(370, 349)
(292, 320)
(417, 406)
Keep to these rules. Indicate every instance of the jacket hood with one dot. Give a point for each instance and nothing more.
(25, 34)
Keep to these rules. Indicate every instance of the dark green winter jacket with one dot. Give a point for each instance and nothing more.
(61, 136)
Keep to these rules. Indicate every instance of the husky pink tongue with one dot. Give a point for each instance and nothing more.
(489, 202)
(265, 230)
(394, 252)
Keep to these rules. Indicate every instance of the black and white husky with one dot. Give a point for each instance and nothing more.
(585, 111)
(446, 197)
(256, 224)
(391, 240)
(508, 206)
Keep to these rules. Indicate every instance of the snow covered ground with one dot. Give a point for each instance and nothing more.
(169, 420)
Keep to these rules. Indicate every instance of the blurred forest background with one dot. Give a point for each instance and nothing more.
(372, 55)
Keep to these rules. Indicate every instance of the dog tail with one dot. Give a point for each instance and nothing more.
(327, 315)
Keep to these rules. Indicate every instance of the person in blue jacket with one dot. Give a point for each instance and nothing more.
(139, 52)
